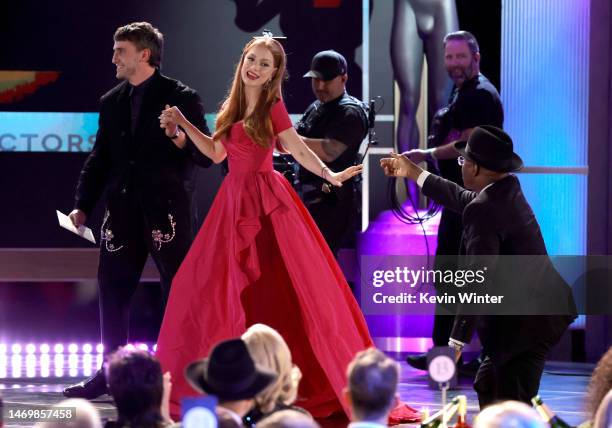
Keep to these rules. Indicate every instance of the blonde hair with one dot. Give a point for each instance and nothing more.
(268, 349)
(258, 125)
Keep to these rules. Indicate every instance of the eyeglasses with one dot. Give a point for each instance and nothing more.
(461, 160)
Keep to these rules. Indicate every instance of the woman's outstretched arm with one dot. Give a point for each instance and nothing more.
(209, 147)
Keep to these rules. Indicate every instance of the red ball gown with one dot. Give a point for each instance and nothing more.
(260, 258)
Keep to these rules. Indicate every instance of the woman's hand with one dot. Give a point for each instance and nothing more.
(337, 178)
(170, 118)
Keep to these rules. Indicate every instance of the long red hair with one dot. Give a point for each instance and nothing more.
(258, 125)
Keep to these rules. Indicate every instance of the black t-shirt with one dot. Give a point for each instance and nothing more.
(343, 119)
(476, 103)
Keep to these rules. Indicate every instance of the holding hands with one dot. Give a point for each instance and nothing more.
(170, 119)
(171, 116)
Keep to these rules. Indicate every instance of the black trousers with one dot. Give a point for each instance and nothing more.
(335, 214)
(119, 272)
(447, 251)
(515, 377)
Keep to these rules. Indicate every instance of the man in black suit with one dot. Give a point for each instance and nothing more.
(498, 221)
(145, 171)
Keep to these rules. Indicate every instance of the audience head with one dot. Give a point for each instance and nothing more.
(372, 385)
(231, 375)
(268, 349)
(86, 415)
(288, 419)
(135, 382)
(600, 383)
(509, 414)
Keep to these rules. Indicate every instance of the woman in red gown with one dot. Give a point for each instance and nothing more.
(259, 257)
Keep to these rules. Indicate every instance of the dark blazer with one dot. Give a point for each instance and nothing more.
(146, 167)
(499, 221)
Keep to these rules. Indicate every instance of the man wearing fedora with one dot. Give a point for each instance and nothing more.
(497, 221)
(230, 374)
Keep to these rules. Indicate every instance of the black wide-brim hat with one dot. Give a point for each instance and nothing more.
(491, 148)
(229, 373)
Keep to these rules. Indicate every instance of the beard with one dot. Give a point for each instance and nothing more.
(460, 75)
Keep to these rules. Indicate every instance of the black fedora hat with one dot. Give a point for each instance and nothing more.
(491, 148)
(229, 373)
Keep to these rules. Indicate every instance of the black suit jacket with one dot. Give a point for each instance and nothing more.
(499, 221)
(145, 169)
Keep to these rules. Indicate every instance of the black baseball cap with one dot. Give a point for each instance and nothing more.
(326, 65)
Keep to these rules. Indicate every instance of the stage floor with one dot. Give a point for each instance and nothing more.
(563, 388)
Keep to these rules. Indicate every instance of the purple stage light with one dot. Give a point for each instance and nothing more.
(100, 348)
(45, 365)
(44, 348)
(58, 348)
(3, 348)
(30, 348)
(87, 348)
(87, 365)
(73, 361)
(16, 367)
(16, 348)
(73, 348)
(58, 361)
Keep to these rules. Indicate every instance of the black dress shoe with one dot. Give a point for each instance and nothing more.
(89, 389)
(418, 361)
(469, 369)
